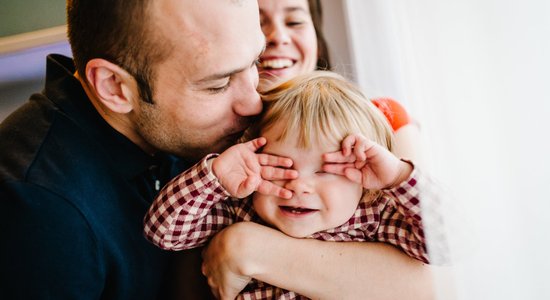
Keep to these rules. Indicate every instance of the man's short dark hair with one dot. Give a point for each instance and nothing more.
(120, 31)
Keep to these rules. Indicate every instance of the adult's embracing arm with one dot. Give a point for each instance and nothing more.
(313, 268)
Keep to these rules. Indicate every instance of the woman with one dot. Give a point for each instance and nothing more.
(313, 268)
(295, 45)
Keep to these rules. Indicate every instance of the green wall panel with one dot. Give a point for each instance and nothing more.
(20, 16)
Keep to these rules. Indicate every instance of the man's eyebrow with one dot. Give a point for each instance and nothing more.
(219, 76)
(223, 75)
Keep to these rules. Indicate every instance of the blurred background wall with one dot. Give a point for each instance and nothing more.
(29, 30)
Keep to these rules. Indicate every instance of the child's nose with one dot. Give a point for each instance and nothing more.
(300, 185)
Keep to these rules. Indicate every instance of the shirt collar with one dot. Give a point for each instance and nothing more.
(67, 93)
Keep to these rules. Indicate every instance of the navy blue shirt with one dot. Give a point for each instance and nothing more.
(73, 194)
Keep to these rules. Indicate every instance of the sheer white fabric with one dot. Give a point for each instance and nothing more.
(476, 75)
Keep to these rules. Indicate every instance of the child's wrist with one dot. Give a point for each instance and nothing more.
(405, 170)
(209, 160)
(211, 168)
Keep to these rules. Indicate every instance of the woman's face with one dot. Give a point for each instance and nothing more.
(291, 48)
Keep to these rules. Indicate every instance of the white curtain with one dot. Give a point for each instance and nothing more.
(476, 75)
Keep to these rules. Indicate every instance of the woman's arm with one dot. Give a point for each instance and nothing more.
(409, 144)
(408, 141)
(316, 269)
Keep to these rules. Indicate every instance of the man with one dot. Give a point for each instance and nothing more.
(81, 162)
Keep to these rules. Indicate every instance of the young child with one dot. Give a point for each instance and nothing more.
(323, 170)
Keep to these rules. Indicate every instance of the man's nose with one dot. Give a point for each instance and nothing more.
(249, 102)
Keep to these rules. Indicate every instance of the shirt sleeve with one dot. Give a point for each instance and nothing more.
(189, 210)
(402, 220)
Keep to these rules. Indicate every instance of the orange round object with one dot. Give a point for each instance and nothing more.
(394, 112)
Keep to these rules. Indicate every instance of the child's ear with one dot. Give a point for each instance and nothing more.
(115, 88)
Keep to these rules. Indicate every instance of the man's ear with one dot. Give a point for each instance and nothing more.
(115, 88)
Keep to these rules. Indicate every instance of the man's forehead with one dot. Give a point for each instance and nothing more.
(204, 16)
(220, 40)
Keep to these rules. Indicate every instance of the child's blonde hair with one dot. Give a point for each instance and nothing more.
(322, 105)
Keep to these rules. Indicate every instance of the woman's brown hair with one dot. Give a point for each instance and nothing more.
(316, 11)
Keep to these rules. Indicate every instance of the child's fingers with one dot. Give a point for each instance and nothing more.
(353, 174)
(372, 147)
(338, 169)
(250, 185)
(338, 157)
(268, 188)
(245, 188)
(272, 173)
(275, 161)
(359, 151)
(360, 164)
(347, 144)
(256, 144)
(362, 146)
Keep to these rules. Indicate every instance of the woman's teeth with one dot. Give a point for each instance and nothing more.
(278, 63)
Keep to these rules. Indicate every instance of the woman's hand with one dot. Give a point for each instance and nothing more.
(366, 162)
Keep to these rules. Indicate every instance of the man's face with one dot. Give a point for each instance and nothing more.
(205, 91)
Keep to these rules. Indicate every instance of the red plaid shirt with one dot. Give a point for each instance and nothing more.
(193, 207)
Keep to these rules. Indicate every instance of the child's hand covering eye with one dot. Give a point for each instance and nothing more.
(242, 171)
(366, 162)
